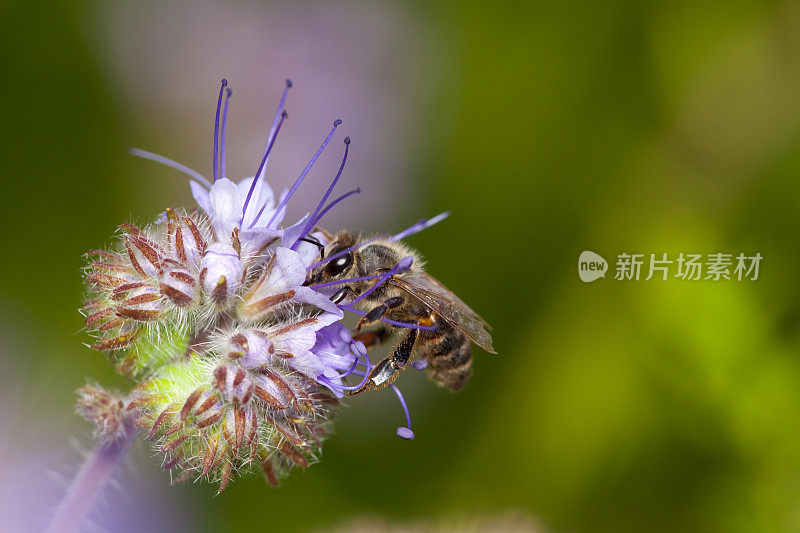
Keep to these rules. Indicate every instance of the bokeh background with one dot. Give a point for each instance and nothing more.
(547, 129)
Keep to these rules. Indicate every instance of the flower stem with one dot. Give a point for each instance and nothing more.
(92, 477)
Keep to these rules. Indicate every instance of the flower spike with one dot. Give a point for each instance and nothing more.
(237, 364)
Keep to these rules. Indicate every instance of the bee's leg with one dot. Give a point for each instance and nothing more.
(374, 336)
(386, 371)
(377, 312)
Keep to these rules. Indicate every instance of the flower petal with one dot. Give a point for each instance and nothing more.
(226, 207)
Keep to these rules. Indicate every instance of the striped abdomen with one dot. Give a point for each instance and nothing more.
(448, 355)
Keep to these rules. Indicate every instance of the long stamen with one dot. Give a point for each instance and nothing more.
(228, 94)
(324, 211)
(284, 116)
(277, 120)
(352, 368)
(144, 154)
(312, 218)
(345, 251)
(215, 158)
(406, 432)
(273, 129)
(401, 266)
(304, 173)
(330, 206)
(419, 226)
(367, 367)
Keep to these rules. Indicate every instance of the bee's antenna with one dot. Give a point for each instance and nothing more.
(215, 158)
(315, 242)
(228, 94)
(305, 172)
(144, 154)
(419, 226)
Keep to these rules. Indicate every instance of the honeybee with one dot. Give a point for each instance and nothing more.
(439, 325)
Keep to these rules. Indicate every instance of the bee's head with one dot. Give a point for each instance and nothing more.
(338, 262)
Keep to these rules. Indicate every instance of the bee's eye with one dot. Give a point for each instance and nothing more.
(339, 265)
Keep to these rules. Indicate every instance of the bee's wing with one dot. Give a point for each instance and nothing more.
(447, 305)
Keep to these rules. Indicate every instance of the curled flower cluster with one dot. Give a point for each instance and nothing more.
(238, 365)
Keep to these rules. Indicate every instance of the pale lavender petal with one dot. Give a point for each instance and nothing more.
(296, 342)
(309, 253)
(226, 207)
(200, 194)
(255, 241)
(221, 260)
(292, 233)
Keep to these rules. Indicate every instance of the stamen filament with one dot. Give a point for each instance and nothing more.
(404, 432)
(277, 120)
(215, 158)
(357, 190)
(144, 154)
(420, 225)
(284, 116)
(228, 94)
(312, 218)
(401, 266)
(305, 172)
(368, 367)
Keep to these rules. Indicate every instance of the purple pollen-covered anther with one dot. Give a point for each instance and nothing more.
(404, 432)
(419, 364)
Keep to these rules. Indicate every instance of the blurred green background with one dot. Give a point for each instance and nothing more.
(547, 129)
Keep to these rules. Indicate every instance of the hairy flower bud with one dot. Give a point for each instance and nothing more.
(109, 413)
(144, 291)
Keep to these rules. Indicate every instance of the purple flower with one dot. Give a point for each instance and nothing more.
(209, 311)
